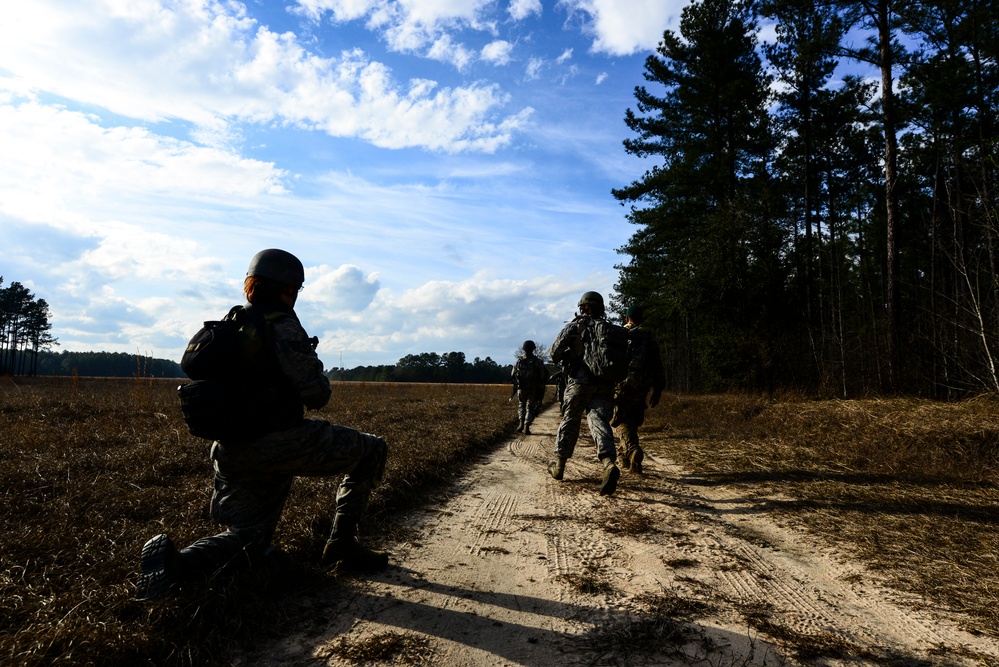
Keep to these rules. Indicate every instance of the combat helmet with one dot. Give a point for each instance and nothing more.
(592, 299)
(277, 265)
(529, 346)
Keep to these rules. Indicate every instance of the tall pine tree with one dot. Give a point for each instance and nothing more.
(706, 259)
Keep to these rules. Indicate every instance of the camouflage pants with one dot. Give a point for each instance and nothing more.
(629, 415)
(252, 482)
(529, 406)
(596, 402)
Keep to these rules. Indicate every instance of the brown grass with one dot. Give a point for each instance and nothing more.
(93, 468)
(910, 485)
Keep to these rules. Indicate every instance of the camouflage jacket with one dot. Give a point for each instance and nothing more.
(529, 375)
(300, 378)
(646, 370)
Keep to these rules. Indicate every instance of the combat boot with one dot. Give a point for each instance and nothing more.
(349, 555)
(625, 458)
(344, 552)
(557, 468)
(520, 426)
(160, 569)
(527, 429)
(611, 475)
(637, 457)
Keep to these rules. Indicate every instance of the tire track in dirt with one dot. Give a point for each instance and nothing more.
(814, 591)
(513, 568)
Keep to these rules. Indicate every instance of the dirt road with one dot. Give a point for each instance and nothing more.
(514, 568)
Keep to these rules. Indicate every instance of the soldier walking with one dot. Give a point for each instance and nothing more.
(585, 393)
(530, 377)
(632, 396)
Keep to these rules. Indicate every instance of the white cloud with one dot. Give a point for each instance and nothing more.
(446, 50)
(565, 55)
(521, 9)
(342, 10)
(52, 154)
(533, 70)
(408, 26)
(498, 52)
(345, 289)
(208, 64)
(625, 27)
(476, 316)
(601, 78)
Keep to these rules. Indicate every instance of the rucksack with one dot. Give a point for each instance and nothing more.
(606, 350)
(530, 372)
(221, 402)
(213, 352)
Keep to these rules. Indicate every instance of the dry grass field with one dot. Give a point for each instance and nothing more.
(92, 468)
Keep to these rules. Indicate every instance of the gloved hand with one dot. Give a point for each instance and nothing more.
(654, 401)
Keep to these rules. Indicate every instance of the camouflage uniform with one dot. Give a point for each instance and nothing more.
(253, 478)
(647, 372)
(584, 394)
(530, 377)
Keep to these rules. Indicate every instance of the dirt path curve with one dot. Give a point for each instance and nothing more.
(514, 568)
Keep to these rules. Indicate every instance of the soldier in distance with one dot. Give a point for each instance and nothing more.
(530, 377)
(253, 476)
(584, 394)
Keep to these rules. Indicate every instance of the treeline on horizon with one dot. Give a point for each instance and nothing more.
(798, 231)
(425, 367)
(429, 367)
(106, 364)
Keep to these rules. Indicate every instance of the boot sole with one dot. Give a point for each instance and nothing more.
(610, 481)
(156, 581)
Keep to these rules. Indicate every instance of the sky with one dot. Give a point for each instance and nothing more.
(443, 168)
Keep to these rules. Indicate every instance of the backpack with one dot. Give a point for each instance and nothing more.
(530, 373)
(221, 402)
(606, 350)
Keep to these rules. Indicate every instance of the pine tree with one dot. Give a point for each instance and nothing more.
(705, 259)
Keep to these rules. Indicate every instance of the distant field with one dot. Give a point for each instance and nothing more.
(92, 468)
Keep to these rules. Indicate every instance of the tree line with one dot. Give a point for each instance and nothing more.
(429, 367)
(800, 230)
(107, 364)
(424, 367)
(24, 329)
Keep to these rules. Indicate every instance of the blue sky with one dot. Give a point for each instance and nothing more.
(442, 167)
